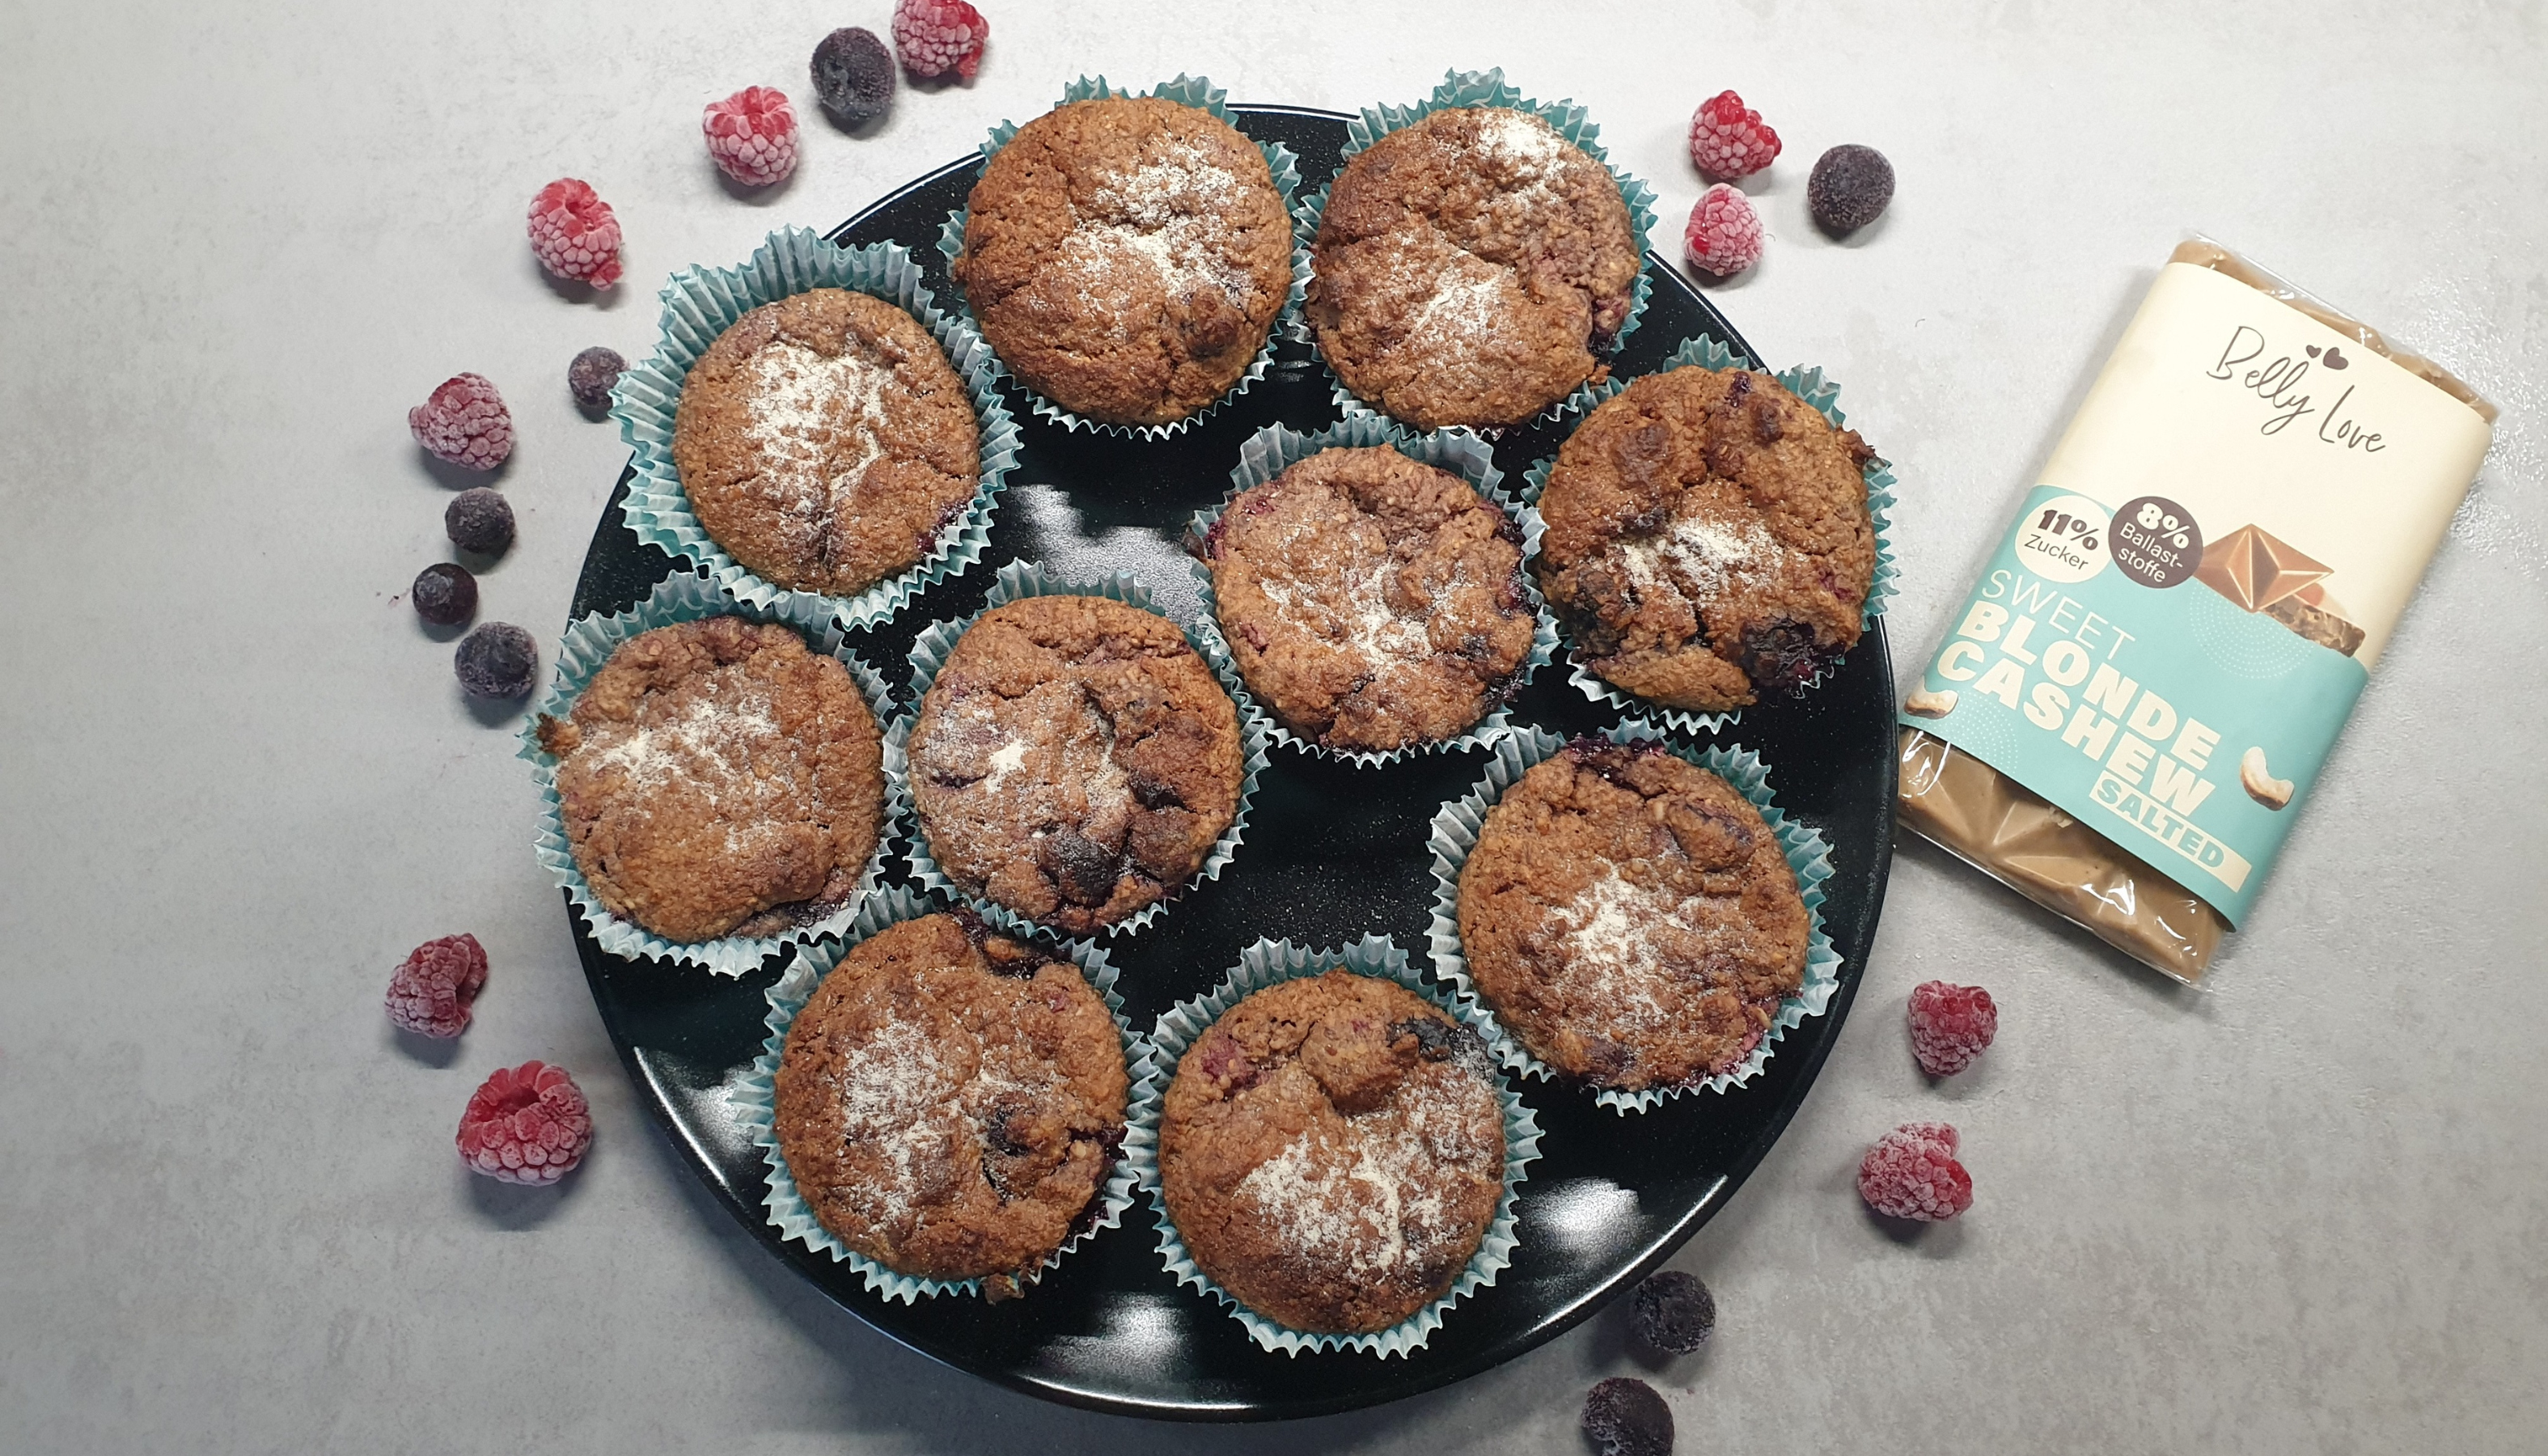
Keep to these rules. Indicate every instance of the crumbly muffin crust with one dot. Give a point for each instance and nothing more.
(824, 441)
(1468, 266)
(1371, 602)
(951, 1101)
(1709, 537)
(1331, 1153)
(1630, 918)
(1126, 257)
(718, 778)
(1074, 761)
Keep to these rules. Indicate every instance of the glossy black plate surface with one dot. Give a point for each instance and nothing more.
(1330, 853)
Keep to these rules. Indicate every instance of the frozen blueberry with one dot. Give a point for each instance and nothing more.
(479, 519)
(1625, 1417)
(589, 376)
(1849, 187)
(498, 659)
(854, 75)
(444, 595)
(1673, 1312)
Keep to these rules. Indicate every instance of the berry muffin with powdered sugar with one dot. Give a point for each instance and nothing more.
(1331, 1151)
(1630, 918)
(1074, 761)
(824, 441)
(719, 778)
(1708, 539)
(1469, 267)
(1126, 257)
(1371, 603)
(951, 1102)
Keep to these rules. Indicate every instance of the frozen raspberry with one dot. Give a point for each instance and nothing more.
(753, 136)
(1729, 139)
(479, 519)
(444, 593)
(1625, 1417)
(526, 1124)
(936, 37)
(589, 376)
(1950, 1025)
(854, 75)
(464, 421)
(1849, 187)
(430, 992)
(574, 234)
(498, 659)
(1724, 233)
(1911, 1173)
(1673, 1312)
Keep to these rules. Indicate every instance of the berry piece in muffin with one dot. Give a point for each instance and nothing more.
(1708, 539)
(1469, 267)
(1372, 602)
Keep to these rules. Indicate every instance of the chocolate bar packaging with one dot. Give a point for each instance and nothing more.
(2130, 707)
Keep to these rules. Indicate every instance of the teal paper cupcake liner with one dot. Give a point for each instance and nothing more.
(1455, 833)
(1269, 962)
(1276, 449)
(755, 1101)
(701, 303)
(1202, 95)
(1485, 88)
(1805, 383)
(1017, 580)
(586, 646)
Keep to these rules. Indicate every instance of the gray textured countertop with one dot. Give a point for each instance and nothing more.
(2302, 1211)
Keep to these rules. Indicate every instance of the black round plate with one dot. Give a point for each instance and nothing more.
(1331, 852)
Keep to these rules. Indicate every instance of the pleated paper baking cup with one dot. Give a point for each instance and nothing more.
(587, 645)
(1276, 449)
(1018, 581)
(1271, 963)
(1455, 833)
(1485, 89)
(755, 1101)
(1805, 383)
(1202, 95)
(701, 303)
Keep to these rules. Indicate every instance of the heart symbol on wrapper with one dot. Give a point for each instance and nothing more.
(2310, 350)
(2335, 359)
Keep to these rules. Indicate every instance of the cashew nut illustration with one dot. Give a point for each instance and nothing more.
(1922, 703)
(2262, 787)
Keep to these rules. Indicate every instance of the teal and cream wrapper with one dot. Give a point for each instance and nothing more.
(1485, 89)
(1018, 581)
(1270, 963)
(585, 648)
(1806, 384)
(701, 303)
(1202, 95)
(1276, 449)
(754, 1098)
(1455, 834)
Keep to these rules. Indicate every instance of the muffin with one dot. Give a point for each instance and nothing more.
(1126, 257)
(951, 1102)
(1468, 268)
(718, 778)
(824, 441)
(1708, 539)
(1630, 918)
(1371, 603)
(1074, 761)
(1331, 1153)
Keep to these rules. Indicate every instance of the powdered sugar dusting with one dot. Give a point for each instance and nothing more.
(709, 747)
(1700, 555)
(804, 413)
(898, 1098)
(1156, 224)
(1523, 142)
(1368, 1191)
